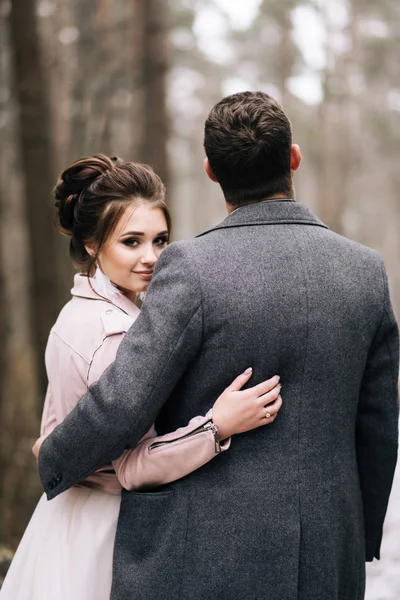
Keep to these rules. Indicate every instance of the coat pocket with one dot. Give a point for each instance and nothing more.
(150, 545)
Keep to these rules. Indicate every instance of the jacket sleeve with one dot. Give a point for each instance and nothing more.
(160, 460)
(155, 460)
(68, 375)
(377, 425)
(121, 406)
(49, 418)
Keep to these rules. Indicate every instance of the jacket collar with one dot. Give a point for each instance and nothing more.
(83, 289)
(269, 212)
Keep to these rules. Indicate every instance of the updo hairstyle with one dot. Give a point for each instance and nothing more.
(91, 196)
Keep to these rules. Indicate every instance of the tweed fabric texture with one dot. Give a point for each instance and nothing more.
(295, 508)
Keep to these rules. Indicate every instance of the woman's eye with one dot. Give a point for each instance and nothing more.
(161, 241)
(131, 242)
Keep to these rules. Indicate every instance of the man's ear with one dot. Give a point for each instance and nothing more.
(295, 157)
(209, 171)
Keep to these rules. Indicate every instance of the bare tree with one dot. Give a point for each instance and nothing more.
(155, 67)
(36, 154)
(334, 156)
(19, 485)
(80, 101)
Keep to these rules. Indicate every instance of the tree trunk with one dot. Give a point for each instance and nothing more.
(36, 155)
(285, 57)
(19, 483)
(84, 18)
(331, 198)
(155, 66)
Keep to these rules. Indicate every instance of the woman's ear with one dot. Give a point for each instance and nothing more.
(90, 249)
(209, 171)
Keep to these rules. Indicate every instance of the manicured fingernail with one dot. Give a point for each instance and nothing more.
(248, 371)
(277, 377)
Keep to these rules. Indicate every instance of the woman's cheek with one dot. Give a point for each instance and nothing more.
(128, 255)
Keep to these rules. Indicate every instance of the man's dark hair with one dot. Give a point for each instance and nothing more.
(248, 139)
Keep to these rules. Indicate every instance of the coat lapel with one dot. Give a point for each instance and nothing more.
(269, 212)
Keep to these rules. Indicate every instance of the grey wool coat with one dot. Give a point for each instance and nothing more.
(292, 510)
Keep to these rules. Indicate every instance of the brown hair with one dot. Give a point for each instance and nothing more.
(91, 196)
(248, 139)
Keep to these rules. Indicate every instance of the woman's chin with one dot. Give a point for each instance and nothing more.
(138, 289)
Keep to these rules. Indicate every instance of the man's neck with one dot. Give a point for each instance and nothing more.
(231, 208)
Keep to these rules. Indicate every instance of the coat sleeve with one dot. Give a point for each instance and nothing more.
(121, 406)
(162, 459)
(156, 460)
(377, 425)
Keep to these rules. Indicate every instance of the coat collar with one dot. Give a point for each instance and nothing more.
(83, 289)
(269, 212)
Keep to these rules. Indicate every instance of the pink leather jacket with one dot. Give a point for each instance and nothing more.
(82, 343)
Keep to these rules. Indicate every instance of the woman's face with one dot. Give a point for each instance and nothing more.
(130, 254)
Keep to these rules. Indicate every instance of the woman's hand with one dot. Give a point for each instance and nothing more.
(238, 411)
(37, 445)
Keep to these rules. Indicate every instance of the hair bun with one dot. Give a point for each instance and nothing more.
(74, 181)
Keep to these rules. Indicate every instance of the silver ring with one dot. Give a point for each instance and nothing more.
(267, 415)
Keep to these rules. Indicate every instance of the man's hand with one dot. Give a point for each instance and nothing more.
(37, 446)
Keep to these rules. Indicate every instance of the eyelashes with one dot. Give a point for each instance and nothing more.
(160, 241)
(130, 242)
(133, 242)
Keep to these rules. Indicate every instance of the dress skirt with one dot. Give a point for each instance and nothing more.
(66, 552)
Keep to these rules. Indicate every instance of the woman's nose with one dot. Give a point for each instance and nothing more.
(149, 257)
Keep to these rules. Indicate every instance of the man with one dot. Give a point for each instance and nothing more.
(292, 511)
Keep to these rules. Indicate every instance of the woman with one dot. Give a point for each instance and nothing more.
(119, 224)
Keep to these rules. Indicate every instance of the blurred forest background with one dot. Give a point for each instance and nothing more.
(137, 78)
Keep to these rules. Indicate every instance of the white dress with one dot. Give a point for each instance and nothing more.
(67, 549)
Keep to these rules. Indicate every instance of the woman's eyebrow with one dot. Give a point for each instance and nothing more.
(140, 233)
(132, 233)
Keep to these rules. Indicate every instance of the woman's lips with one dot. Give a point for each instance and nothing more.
(146, 275)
